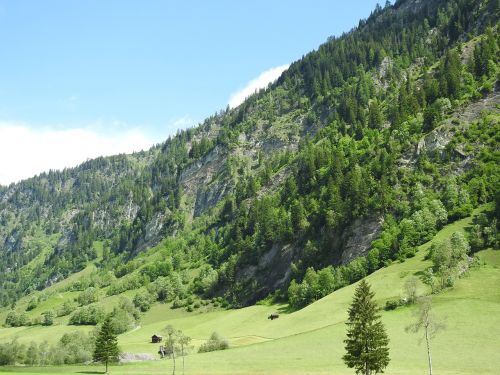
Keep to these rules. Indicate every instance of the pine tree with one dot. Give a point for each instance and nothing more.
(367, 342)
(106, 346)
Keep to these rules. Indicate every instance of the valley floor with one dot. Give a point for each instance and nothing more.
(310, 341)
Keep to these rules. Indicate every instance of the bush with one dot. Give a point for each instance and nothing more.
(87, 315)
(124, 316)
(206, 280)
(48, 318)
(167, 288)
(67, 308)
(121, 321)
(128, 282)
(33, 303)
(215, 342)
(74, 347)
(143, 301)
(178, 303)
(88, 296)
(11, 353)
(391, 305)
(15, 319)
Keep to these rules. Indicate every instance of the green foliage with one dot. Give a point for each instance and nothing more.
(166, 289)
(129, 282)
(484, 232)
(124, 317)
(367, 342)
(391, 305)
(16, 319)
(48, 318)
(87, 315)
(77, 347)
(450, 261)
(67, 308)
(143, 300)
(106, 345)
(33, 303)
(357, 108)
(88, 296)
(215, 342)
(206, 281)
(11, 353)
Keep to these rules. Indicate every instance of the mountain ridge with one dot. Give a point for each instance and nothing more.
(224, 185)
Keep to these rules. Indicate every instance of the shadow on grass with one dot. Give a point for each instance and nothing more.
(287, 309)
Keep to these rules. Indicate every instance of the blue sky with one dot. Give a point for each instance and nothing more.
(132, 72)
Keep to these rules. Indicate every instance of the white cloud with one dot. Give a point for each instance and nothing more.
(26, 151)
(260, 82)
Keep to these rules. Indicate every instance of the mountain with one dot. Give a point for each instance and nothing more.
(359, 153)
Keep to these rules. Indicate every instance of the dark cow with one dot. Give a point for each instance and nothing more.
(273, 316)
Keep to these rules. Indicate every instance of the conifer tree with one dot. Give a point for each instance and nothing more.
(106, 346)
(367, 342)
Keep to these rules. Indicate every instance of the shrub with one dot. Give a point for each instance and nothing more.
(87, 315)
(74, 347)
(168, 288)
(206, 280)
(33, 303)
(215, 342)
(11, 353)
(391, 305)
(128, 282)
(143, 301)
(121, 321)
(88, 296)
(48, 318)
(178, 303)
(15, 319)
(67, 308)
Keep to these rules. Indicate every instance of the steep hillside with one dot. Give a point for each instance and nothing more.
(387, 132)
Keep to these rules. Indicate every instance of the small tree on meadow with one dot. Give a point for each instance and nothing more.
(427, 323)
(171, 333)
(106, 345)
(367, 342)
(183, 342)
(410, 290)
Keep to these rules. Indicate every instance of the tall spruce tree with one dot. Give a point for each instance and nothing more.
(106, 345)
(367, 342)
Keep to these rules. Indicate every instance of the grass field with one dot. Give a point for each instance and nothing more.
(310, 341)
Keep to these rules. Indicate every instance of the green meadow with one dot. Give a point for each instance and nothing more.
(310, 341)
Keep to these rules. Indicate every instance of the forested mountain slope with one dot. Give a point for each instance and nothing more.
(359, 152)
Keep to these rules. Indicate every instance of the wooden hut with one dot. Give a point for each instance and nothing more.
(156, 339)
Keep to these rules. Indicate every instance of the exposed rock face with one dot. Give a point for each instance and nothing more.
(359, 236)
(435, 141)
(196, 179)
(273, 270)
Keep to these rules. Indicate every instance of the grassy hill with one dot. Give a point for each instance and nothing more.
(311, 340)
